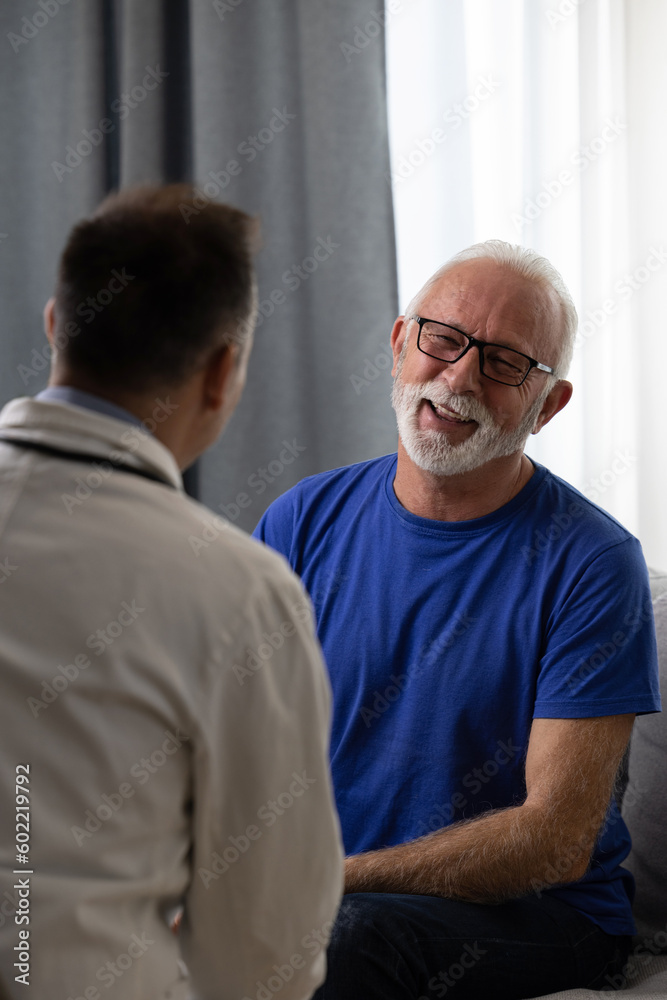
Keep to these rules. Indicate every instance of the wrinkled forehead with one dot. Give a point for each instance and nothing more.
(493, 302)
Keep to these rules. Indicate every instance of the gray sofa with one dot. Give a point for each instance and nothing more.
(645, 812)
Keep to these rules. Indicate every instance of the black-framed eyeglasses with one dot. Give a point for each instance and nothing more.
(499, 363)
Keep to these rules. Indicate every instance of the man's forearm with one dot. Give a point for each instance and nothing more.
(498, 856)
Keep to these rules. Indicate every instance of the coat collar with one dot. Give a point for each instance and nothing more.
(74, 429)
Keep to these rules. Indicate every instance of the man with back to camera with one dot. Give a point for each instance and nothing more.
(149, 774)
(489, 637)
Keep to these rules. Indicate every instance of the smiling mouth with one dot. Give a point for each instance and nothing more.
(446, 414)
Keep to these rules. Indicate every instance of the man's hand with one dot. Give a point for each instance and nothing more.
(571, 765)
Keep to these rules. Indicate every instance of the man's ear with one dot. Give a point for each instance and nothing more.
(218, 372)
(50, 319)
(398, 332)
(558, 398)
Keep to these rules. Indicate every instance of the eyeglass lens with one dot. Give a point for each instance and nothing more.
(447, 344)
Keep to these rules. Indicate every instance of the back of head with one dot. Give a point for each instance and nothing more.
(143, 297)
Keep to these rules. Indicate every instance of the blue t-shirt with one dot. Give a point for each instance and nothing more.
(445, 639)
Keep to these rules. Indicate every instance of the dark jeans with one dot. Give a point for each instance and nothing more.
(387, 946)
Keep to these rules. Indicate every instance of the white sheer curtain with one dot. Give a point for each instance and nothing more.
(542, 122)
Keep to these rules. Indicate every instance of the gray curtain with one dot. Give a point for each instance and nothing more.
(277, 106)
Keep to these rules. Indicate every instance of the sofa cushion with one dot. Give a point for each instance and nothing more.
(645, 979)
(645, 805)
(658, 582)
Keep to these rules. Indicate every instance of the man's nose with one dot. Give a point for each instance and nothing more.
(464, 375)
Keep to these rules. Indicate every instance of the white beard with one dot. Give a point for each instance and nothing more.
(430, 449)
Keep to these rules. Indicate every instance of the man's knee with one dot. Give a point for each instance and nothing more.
(361, 914)
(365, 948)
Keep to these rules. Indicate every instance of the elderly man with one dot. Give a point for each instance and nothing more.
(489, 640)
(145, 774)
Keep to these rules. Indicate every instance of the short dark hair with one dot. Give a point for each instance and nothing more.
(143, 297)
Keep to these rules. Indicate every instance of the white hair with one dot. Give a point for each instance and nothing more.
(529, 264)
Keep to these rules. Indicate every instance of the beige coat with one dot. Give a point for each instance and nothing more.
(165, 701)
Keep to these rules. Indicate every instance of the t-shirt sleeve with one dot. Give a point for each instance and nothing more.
(600, 656)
